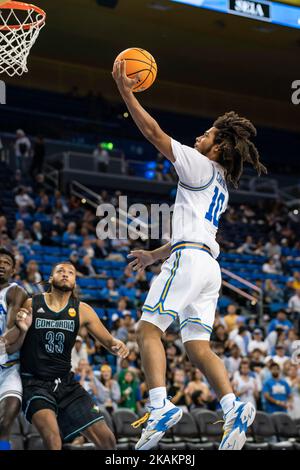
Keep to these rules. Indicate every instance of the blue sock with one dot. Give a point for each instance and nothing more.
(5, 445)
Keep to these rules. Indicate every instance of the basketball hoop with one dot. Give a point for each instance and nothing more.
(20, 25)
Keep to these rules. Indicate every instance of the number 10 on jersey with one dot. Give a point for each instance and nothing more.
(214, 212)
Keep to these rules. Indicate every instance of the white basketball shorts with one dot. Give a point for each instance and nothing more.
(188, 287)
(10, 382)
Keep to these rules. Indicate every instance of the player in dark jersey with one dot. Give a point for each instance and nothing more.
(52, 399)
(12, 298)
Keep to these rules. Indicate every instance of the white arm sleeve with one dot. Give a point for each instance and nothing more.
(191, 166)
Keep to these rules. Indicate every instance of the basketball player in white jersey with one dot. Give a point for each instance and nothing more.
(12, 298)
(190, 279)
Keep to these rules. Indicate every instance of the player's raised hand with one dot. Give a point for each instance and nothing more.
(123, 82)
(24, 319)
(118, 348)
(142, 259)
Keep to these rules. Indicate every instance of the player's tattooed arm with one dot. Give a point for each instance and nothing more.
(90, 319)
(146, 124)
(143, 258)
(15, 336)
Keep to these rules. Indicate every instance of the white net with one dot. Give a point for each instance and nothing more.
(19, 30)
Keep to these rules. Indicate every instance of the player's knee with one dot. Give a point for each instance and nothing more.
(52, 440)
(197, 350)
(146, 330)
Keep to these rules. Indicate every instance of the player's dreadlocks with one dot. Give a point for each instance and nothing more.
(235, 146)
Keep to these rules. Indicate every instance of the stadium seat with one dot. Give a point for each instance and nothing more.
(285, 427)
(205, 422)
(263, 428)
(35, 443)
(122, 419)
(172, 446)
(17, 442)
(282, 446)
(125, 446)
(256, 446)
(201, 446)
(186, 429)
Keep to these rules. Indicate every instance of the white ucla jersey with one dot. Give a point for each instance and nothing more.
(202, 197)
(3, 317)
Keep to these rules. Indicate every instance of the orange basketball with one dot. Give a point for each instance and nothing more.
(139, 61)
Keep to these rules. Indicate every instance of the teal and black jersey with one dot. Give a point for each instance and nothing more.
(46, 352)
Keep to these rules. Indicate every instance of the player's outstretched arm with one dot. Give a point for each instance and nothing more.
(147, 125)
(91, 321)
(143, 258)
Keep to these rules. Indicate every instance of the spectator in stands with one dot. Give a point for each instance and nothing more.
(102, 157)
(86, 267)
(231, 318)
(220, 335)
(128, 320)
(23, 200)
(38, 157)
(257, 342)
(272, 292)
(242, 339)
(109, 393)
(86, 248)
(3, 225)
(22, 151)
(79, 352)
(58, 227)
(178, 390)
(101, 250)
(257, 362)
(197, 384)
(271, 267)
(118, 330)
(197, 401)
(280, 357)
(294, 308)
(272, 248)
(70, 237)
(110, 292)
(20, 234)
(39, 183)
(130, 391)
(280, 321)
(294, 281)
(129, 292)
(37, 234)
(293, 379)
(244, 384)
(84, 374)
(247, 247)
(276, 391)
(74, 258)
(32, 269)
(232, 362)
(31, 282)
